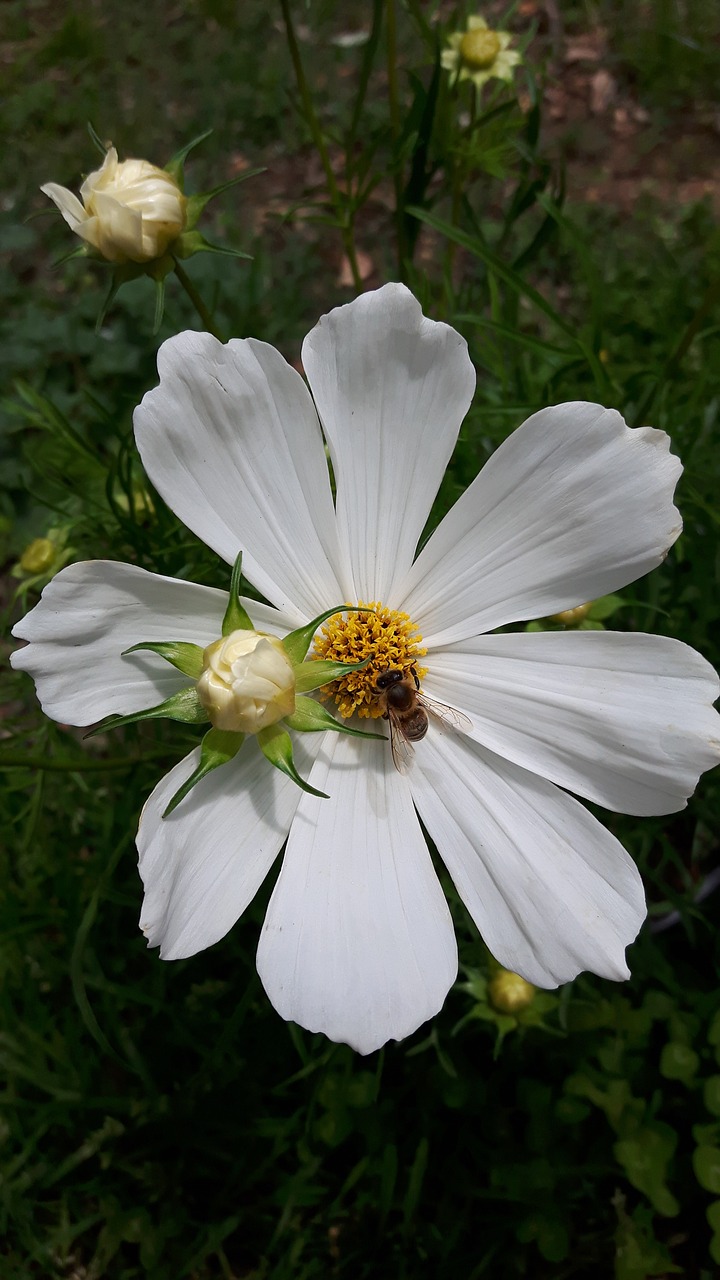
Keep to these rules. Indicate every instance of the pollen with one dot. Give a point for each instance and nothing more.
(388, 638)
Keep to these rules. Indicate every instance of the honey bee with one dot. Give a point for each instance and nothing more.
(408, 712)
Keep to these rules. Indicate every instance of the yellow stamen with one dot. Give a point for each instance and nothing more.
(479, 49)
(385, 636)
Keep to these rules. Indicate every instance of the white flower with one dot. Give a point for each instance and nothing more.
(248, 682)
(131, 210)
(480, 54)
(358, 941)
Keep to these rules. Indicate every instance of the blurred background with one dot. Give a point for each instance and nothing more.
(159, 1120)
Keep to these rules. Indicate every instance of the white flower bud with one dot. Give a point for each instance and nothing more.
(130, 212)
(247, 682)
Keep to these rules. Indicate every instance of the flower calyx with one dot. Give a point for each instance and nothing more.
(245, 684)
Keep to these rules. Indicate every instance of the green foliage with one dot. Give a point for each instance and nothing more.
(159, 1121)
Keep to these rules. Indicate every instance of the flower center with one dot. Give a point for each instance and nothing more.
(479, 49)
(387, 637)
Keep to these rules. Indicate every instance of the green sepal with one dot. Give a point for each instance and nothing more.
(187, 657)
(312, 717)
(107, 301)
(218, 747)
(102, 147)
(80, 252)
(176, 166)
(236, 619)
(121, 274)
(297, 643)
(311, 675)
(276, 746)
(184, 706)
(159, 304)
(192, 242)
(197, 202)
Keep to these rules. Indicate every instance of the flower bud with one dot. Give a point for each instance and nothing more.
(131, 211)
(509, 993)
(247, 683)
(479, 49)
(572, 617)
(38, 556)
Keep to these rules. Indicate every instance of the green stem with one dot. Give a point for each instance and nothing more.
(710, 298)
(394, 102)
(197, 301)
(460, 176)
(346, 228)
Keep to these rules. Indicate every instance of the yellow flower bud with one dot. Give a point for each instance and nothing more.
(247, 683)
(38, 556)
(509, 993)
(572, 617)
(131, 211)
(143, 507)
(479, 49)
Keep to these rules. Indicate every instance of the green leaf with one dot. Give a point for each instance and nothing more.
(236, 619)
(276, 746)
(311, 717)
(312, 675)
(175, 166)
(297, 643)
(218, 747)
(679, 1062)
(605, 606)
(645, 1158)
(513, 335)
(711, 1095)
(706, 1163)
(513, 279)
(184, 706)
(186, 657)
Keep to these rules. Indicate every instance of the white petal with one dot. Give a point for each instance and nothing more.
(551, 891)
(231, 440)
(358, 940)
(119, 229)
(203, 864)
(68, 204)
(571, 506)
(91, 612)
(391, 388)
(624, 720)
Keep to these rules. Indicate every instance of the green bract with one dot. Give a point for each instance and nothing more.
(220, 744)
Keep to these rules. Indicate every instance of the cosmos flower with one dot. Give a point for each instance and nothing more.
(131, 211)
(479, 54)
(358, 941)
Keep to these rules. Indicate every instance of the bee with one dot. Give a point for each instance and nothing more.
(408, 713)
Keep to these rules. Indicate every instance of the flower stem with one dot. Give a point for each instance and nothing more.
(346, 227)
(197, 301)
(460, 177)
(395, 128)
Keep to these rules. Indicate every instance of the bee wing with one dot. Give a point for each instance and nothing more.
(402, 750)
(445, 717)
